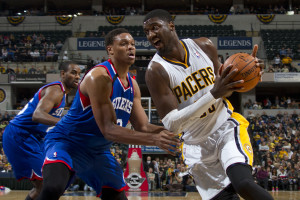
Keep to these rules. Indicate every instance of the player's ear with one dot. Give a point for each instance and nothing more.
(110, 50)
(172, 26)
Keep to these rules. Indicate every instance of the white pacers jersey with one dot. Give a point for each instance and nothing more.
(191, 80)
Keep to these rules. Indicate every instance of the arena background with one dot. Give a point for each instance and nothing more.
(232, 25)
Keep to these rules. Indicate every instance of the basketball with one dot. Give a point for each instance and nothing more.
(247, 70)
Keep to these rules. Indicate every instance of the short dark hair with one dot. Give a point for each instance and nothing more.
(65, 65)
(159, 13)
(109, 38)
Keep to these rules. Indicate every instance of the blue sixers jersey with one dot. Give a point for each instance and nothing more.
(24, 117)
(80, 119)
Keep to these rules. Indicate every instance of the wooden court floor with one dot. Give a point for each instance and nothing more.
(20, 195)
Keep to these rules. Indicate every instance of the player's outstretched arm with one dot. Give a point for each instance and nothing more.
(97, 85)
(50, 97)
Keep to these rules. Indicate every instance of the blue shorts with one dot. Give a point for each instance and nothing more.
(97, 168)
(24, 152)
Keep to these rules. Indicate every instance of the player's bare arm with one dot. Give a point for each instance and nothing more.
(97, 85)
(138, 118)
(50, 97)
(157, 81)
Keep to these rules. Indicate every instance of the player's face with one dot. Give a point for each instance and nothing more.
(123, 48)
(72, 76)
(157, 32)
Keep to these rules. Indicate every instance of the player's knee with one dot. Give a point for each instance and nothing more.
(53, 190)
(243, 186)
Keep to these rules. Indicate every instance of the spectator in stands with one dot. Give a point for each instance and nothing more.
(9, 70)
(17, 71)
(151, 179)
(274, 179)
(282, 52)
(35, 55)
(49, 55)
(59, 45)
(103, 59)
(293, 179)
(289, 53)
(52, 70)
(5, 117)
(148, 164)
(175, 182)
(24, 71)
(24, 102)
(282, 176)
(11, 53)
(42, 55)
(32, 70)
(262, 177)
(277, 61)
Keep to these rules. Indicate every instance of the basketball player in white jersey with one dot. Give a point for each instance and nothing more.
(189, 93)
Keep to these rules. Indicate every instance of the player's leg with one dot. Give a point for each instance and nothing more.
(25, 153)
(105, 176)
(56, 178)
(112, 194)
(242, 180)
(236, 154)
(36, 190)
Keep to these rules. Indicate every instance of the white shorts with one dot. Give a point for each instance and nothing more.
(208, 160)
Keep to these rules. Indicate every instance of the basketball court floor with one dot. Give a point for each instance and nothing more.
(21, 194)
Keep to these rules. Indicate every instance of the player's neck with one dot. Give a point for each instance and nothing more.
(67, 90)
(121, 68)
(176, 52)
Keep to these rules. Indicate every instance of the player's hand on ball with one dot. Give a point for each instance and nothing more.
(167, 141)
(259, 63)
(224, 85)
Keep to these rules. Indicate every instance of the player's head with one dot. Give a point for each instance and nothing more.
(159, 29)
(70, 74)
(120, 46)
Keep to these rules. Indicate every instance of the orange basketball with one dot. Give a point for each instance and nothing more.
(247, 70)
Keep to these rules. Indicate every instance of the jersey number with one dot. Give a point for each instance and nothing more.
(119, 122)
(210, 110)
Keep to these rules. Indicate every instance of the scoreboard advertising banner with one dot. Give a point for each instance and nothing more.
(234, 43)
(99, 44)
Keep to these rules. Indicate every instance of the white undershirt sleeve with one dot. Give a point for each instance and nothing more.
(177, 120)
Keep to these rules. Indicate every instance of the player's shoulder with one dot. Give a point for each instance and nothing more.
(203, 42)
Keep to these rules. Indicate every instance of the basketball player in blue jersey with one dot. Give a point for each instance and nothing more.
(189, 93)
(107, 97)
(23, 137)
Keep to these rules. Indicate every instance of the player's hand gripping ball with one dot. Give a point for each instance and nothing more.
(247, 70)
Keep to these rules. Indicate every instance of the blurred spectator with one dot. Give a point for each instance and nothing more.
(151, 179)
(24, 102)
(262, 177)
(32, 70)
(59, 45)
(283, 179)
(274, 179)
(282, 52)
(24, 71)
(175, 182)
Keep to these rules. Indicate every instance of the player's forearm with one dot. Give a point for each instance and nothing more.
(128, 136)
(151, 128)
(177, 120)
(44, 118)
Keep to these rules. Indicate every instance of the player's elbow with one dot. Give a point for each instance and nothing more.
(35, 116)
